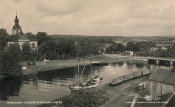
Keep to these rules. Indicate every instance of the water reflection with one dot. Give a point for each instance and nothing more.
(120, 64)
(130, 64)
(49, 82)
(139, 65)
(10, 87)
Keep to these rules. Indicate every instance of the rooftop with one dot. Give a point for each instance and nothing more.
(164, 75)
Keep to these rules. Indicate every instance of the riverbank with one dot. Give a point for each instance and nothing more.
(119, 94)
(58, 64)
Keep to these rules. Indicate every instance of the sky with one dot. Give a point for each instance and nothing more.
(91, 17)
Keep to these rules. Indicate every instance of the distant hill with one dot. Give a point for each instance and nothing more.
(125, 38)
(66, 36)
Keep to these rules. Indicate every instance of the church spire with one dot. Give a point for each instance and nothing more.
(16, 20)
(16, 16)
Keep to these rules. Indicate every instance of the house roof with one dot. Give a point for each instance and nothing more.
(164, 75)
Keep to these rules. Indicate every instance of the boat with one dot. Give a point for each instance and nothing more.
(79, 84)
(94, 82)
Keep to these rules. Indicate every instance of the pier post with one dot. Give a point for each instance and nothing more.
(171, 63)
(157, 61)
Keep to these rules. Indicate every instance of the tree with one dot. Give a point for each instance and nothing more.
(9, 66)
(26, 51)
(3, 39)
(130, 46)
(15, 51)
(85, 98)
(42, 37)
(48, 49)
(120, 47)
(109, 50)
(70, 47)
(29, 33)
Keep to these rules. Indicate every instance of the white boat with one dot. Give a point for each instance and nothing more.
(90, 84)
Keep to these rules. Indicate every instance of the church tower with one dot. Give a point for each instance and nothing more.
(16, 28)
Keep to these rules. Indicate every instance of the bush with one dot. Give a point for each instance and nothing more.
(85, 98)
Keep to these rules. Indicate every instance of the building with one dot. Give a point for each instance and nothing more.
(121, 42)
(129, 53)
(139, 40)
(19, 37)
(154, 49)
(161, 85)
(16, 28)
(162, 82)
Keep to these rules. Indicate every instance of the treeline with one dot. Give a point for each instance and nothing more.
(67, 48)
(150, 49)
(140, 48)
(169, 52)
(115, 48)
(143, 48)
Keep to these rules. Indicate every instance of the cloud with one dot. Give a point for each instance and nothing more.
(168, 13)
(91, 17)
(58, 7)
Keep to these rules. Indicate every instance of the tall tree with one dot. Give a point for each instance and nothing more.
(3, 39)
(42, 37)
(9, 66)
(26, 51)
(48, 49)
(130, 46)
(120, 47)
(15, 51)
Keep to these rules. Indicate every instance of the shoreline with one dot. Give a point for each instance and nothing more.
(114, 94)
(60, 64)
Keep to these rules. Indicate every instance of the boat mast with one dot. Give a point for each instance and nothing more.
(78, 63)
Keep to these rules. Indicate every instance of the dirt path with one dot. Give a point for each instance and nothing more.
(119, 98)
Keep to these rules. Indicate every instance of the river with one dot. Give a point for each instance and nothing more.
(50, 85)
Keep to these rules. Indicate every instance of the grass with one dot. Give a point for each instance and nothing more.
(58, 64)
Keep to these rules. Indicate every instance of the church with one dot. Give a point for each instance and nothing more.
(19, 37)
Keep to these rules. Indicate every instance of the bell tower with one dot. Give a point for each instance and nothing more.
(16, 28)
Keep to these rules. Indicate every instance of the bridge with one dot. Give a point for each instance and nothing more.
(156, 60)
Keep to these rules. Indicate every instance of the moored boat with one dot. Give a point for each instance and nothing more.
(90, 84)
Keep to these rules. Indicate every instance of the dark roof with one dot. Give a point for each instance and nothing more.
(32, 38)
(23, 37)
(13, 38)
(164, 75)
(16, 37)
